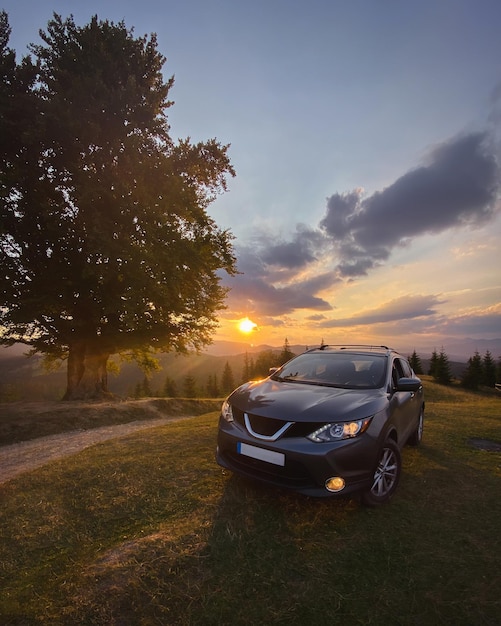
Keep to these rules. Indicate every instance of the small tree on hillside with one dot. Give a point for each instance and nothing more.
(146, 388)
(489, 370)
(106, 245)
(286, 353)
(247, 368)
(473, 375)
(227, 380)
(213, 390)
(433, 364)
(442, 370)
(189, 387)
(415, 363)
(138, 390)
(170, 388)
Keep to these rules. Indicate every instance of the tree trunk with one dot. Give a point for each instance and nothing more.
(87, 375)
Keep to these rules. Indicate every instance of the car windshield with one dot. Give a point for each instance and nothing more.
(362, 371)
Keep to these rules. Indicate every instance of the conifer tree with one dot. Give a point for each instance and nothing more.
(246, 371)
(146, 388)
(433, 364)
(227, 380)
(489, 370)
(189, 387)
(212, 387)
(415, 363)
(473, 375)
(286, 353)
(170, 388)
(138, 391)
(442, 370)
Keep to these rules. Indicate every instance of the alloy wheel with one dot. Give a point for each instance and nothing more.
(386, 474)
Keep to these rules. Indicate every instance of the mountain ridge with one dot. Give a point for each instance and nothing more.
(24, 378)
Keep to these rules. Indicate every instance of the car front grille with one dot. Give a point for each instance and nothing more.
(267, 426)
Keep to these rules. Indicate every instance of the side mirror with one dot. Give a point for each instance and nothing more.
(408, 384)
(273, 370)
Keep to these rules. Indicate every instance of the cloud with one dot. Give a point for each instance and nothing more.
(257, 295)
(340, 210)
(254, 291)
(482, 323)
(458, 186)
(274, 322)
(297, 253)
(403, 308)
(470, 251)
(271, 279)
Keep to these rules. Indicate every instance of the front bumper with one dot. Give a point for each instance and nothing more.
(297, 463)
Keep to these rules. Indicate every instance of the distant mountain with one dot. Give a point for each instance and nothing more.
(466, 348)
(227, 348)
(24, 378)
(459, 349)
(7, 352)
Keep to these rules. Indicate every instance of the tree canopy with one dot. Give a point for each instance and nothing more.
(106, 245)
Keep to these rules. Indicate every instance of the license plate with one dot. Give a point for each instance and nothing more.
(277, 458)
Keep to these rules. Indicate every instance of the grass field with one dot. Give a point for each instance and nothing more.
(149, 530)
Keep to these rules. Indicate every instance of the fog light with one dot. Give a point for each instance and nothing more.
(336, 483)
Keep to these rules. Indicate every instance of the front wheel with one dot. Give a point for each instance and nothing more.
(386, 475)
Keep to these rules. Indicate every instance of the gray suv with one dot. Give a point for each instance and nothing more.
(331, 421)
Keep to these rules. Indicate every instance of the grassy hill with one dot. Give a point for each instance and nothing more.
(147, 529)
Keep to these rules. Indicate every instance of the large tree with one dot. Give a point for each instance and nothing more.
(106, 245)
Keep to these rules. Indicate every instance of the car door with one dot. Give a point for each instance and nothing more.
(405, 405)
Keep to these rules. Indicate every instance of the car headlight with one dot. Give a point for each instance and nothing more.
(226, 411)
(340, 430)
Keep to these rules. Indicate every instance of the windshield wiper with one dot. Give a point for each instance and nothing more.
(285, 379)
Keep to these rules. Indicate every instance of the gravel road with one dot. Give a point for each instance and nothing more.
(28, 455)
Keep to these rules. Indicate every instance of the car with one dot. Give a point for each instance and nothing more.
(331, 421)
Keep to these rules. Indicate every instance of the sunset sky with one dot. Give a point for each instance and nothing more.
(366, 137)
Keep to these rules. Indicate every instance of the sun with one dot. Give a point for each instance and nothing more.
(246, 326)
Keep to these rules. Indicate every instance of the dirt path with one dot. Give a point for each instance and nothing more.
(28, 455)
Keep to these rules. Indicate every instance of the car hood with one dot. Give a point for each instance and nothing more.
(299, 402)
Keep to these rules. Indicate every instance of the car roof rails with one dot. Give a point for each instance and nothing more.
(343, 346)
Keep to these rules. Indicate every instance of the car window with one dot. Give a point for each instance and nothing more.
(406, 368)
(333, 369)
(396, 372)
(401, 369)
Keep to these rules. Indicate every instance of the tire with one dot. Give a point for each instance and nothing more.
(417, 436)
(386, 475)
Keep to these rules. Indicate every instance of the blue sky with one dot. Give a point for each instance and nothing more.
(365, 136)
